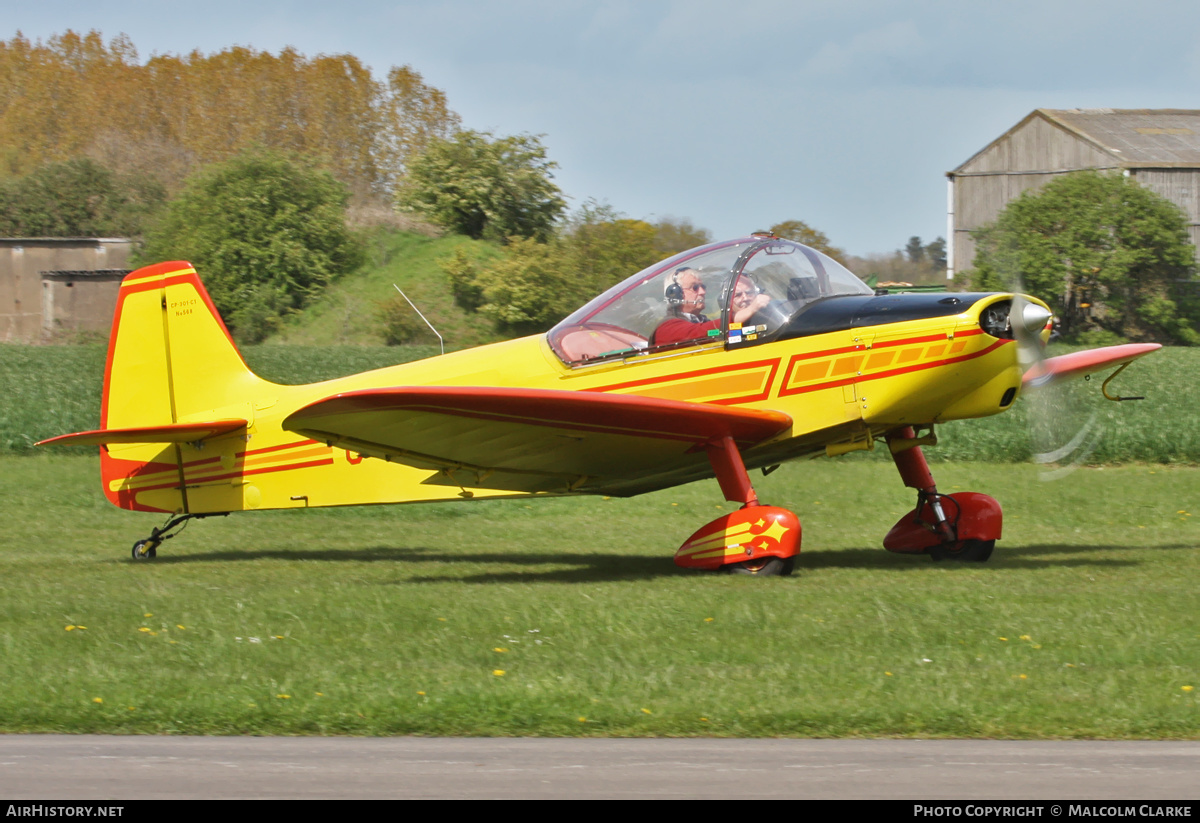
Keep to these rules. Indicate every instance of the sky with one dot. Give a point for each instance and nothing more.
(734, 114)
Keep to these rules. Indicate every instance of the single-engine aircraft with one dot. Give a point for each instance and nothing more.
(733, 356)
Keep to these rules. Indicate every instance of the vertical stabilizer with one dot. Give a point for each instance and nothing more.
(170, 360)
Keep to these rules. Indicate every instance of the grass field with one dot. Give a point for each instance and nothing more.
(567, 617)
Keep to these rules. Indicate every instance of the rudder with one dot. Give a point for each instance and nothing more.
(171, 360)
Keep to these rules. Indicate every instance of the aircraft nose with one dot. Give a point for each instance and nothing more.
(1032, 318)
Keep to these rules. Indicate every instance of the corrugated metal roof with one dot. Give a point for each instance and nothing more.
(1137, 136)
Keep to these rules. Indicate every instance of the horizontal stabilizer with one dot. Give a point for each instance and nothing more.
(529, 439)
(170, 433)
(1080, 363)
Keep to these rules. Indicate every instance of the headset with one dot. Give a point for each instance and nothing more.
(673, 291)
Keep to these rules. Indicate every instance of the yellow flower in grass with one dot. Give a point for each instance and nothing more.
(647, 711)
(498, 672)
(1187, 688)
(284, 696)
(97, 699)
(498, 649)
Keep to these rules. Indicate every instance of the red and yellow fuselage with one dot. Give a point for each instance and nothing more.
(171, 362)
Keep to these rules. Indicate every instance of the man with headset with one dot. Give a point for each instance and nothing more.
(685, 307)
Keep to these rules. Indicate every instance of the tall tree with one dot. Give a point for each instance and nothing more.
(1102, 251)
(603, 247)
(74, 95)
(801, 232)
(915, 251)
(485, 187)
(673, 235)
(537, 284)
(935, 253)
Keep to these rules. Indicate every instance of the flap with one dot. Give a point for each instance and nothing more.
(528, 439)
(170, 433)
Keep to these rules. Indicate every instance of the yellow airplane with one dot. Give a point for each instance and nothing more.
(733, 356)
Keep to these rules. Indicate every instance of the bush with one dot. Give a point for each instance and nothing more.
(1103, 252)
(464, 280)
(78, 198)
(265, 232)
(485, 188)
(400, 324)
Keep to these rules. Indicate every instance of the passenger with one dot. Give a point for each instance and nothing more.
(747, 299)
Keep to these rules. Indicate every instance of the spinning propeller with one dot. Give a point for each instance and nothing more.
(1063, 430)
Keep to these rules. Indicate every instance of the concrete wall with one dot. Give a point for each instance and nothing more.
(55, 286)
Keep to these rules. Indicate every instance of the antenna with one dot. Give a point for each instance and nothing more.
(418, 311)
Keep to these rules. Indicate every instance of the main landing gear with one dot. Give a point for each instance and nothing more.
(757, 540)
(959, 526)
(147, 549)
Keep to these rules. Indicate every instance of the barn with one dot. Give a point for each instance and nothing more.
(1159, 148)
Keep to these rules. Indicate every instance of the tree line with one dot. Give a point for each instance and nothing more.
(78, 96)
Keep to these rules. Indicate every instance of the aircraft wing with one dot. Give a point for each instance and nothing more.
(531, 440)
(169, 433)
(1080, 363)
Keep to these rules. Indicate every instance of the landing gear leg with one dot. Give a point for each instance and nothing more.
(961, 526)
(147, 549)
(756, 540)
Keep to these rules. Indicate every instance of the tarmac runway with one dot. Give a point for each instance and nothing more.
(85, 767)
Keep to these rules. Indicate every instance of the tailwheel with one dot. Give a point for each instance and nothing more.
(764, 566)
(145, 550)
(969, 551)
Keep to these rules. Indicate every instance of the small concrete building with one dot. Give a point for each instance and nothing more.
(1159, 148)
(56, 286)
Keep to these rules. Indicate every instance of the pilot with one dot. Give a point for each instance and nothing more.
(685, 307)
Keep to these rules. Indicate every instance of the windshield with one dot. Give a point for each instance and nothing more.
(699, 296)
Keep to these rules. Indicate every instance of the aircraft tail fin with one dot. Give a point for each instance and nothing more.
(171, 361)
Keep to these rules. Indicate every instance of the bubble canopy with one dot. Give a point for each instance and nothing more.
(738, 291)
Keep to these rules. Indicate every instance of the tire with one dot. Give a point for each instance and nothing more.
(145, 550)
(968, 551)
(764, 567)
